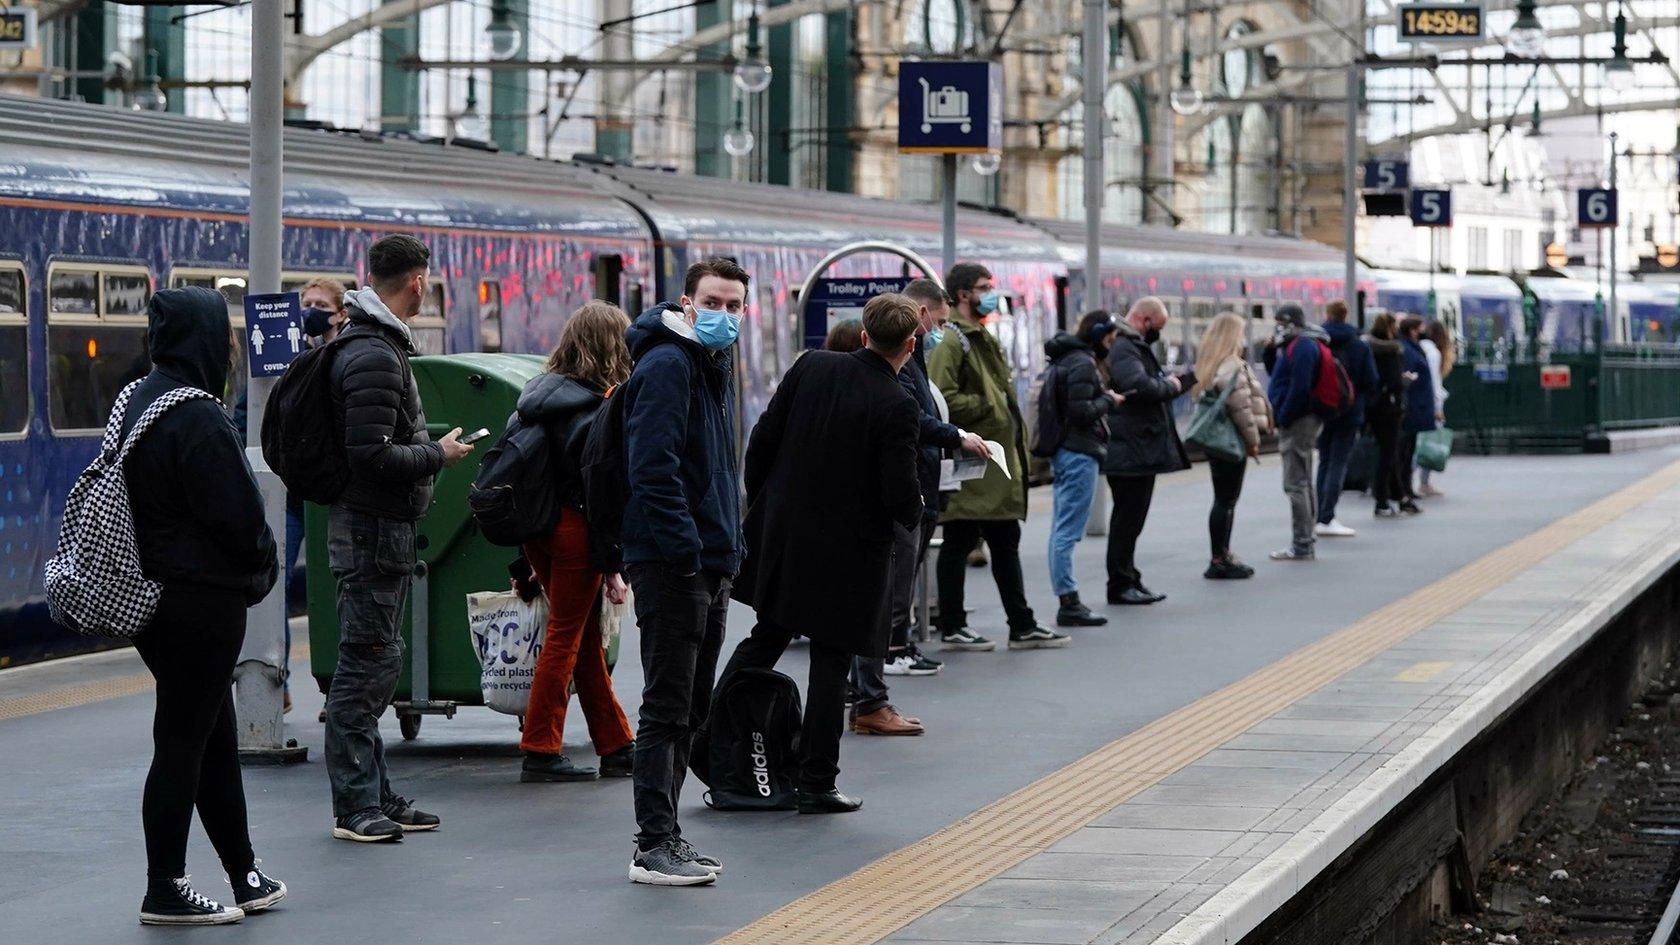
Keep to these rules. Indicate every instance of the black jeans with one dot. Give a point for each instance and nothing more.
(372, 558)
(1003, 540)
(1403, 467)
(1386, 485)
(868, 672)
(1227, 488)
(1132, 495)
(191, 646)
(825, 699)
(681, 618)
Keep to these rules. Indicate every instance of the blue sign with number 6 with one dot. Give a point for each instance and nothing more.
(1596, 206)
(1431, 208)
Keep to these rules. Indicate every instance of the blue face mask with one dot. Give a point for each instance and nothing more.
(934, 336)
(988, 303)
(716, 329)
(316, 321)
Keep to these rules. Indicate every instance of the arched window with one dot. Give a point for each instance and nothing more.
(1256, 144)
(1123, 151)
(1216, 151)
(941, 27)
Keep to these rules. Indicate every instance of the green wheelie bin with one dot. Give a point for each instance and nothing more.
(441, 669)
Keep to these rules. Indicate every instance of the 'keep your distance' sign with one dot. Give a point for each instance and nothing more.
(273, 332)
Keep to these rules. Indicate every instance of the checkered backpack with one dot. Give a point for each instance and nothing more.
(94, 583)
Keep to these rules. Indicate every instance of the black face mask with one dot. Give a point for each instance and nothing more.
(1151, 336)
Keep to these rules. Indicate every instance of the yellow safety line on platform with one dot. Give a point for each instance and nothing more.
(115, 687)
(887, 895)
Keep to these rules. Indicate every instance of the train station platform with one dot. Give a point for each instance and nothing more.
(1175, 776)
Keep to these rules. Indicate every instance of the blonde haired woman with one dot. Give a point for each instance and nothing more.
(1221, 363)
(590, 360)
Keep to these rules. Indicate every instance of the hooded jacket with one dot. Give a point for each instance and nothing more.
(1142, 437)
(934, 434)
(392, 458)
(1356, 359)
(972, 371)
(684, 508)
(1294, 373)
(565, 407)
(1079, 395)
(1388, 401)
(198, 516)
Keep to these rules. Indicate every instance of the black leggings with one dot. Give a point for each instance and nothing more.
(1387, 486)
(1403, 468)
(191, 647)
(1227, 487)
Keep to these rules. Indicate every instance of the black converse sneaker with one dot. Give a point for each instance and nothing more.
(667, 865)
(256, 890)
(1038, 638)
(175, 902)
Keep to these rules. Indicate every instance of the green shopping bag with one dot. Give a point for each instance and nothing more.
(1433, 448)
(1211, 427)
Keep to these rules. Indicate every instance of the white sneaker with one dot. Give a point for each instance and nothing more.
(1334, 529)
(896, 667)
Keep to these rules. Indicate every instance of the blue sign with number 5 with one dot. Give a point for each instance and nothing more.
(1431, 208)
(1387, 175)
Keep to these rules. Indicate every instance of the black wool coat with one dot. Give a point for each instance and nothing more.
(830, 466)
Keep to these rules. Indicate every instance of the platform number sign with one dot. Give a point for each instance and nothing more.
(1431, 208)
(1386, 175)
(1596, 206)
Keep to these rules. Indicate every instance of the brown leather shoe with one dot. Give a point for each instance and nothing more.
(886, 721)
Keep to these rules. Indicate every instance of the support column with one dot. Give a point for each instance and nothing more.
(614, 125)
(778, 138)
(714, 109)
(95, 37)
(840, 89)
(168, 41)
(510, 92)
(1162, 146)
(399, 88)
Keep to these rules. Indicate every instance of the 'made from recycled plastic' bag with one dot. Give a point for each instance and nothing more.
(507, 634)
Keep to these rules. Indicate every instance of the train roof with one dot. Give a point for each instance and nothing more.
(1146, 245)
(1561, 289)
(79, 153)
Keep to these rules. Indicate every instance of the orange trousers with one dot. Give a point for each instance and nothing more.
(572, 649)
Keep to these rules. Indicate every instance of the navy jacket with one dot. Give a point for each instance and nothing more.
(1293, 375)
(934, 436)
(1420, 394)
(684, 509)
(1361, 366)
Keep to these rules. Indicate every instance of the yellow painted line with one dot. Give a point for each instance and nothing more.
(113, 687)
(1421, 672)
(886, 895)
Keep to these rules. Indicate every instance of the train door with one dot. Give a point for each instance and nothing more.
(490, 315)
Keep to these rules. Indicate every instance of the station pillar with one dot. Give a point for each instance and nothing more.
(167, 41)
(399, 88)
(713, 97)
(778, 139)
(510, 92)
(840, 84)
(615, 134)
(94, 38)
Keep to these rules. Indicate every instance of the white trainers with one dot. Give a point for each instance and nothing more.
(1334, 529)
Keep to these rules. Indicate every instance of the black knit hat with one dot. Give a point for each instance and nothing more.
(1290, 314)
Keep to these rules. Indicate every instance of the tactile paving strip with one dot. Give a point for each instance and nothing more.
(888, 894)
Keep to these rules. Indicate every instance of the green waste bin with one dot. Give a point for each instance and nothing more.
(441, 669)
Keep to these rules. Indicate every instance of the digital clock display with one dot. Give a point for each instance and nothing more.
(1440, 21)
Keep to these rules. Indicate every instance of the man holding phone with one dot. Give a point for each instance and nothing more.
(370, 533)
(1142, 441)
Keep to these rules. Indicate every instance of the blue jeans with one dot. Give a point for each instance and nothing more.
(294, 544)
(1335, 448)
(1074, 488)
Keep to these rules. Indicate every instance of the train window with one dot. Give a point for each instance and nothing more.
(96, 341)
(609, 271)
(489, 316)
(771, 340)
(14, 355)
(430, 327)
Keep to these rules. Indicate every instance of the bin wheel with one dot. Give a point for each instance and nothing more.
(410, 725)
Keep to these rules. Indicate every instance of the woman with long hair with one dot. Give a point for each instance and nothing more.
(1421, 409)
(1222, 364)
(590, 360)
(1384, 414)
(1438, 350)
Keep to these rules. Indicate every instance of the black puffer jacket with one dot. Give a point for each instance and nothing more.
(392, 459)
(1079, 394)
(1142, 437)
(198, 517)
(565, 407)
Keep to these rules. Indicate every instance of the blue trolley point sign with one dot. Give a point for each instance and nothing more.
(836, 299)
(273, 332)
(950, 107)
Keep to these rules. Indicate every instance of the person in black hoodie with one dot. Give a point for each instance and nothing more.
(1084, 403)
(199, 527)
(370, 533)
(590, 360)
(682, 543)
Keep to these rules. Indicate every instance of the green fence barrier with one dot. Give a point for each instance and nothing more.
(1532, 401)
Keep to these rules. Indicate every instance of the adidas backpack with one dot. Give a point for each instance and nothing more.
(746, 752)
(302, 433)
(94, 582)
(515, 498)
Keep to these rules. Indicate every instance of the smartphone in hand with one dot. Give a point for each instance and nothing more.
(474, 436)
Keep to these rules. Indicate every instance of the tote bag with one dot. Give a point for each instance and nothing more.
(1434, 447)
(1211, 427)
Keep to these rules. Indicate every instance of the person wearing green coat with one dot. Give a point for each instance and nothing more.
(970, 369)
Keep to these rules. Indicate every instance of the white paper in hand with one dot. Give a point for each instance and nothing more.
(996, 449)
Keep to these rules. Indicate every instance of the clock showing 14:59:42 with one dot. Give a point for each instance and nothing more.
(1434, 22)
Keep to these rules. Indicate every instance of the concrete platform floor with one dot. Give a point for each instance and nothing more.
(521, 863)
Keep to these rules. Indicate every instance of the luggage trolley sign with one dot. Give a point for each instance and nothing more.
(950, 107)
(834, 300)
(273, 332)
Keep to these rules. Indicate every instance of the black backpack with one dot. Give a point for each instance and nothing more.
(302, 433)
(515, 498)
(747, 751)
(1049, 426)
(606, 484)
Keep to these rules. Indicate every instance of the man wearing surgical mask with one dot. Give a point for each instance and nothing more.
(682, 542)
